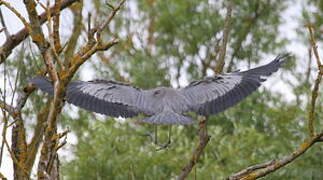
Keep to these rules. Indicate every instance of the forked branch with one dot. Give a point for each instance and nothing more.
(263, 169)
(16, 39)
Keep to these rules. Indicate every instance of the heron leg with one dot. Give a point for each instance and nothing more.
(166, 145)
(154, 138)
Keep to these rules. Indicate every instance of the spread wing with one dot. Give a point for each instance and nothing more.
(215, 94)
(106, 97)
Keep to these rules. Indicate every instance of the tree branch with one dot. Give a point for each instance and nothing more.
(263, 169)
(93, 46)
(19, 16)
(108, 20)
(251, 169)
(311, 114)
(19, 148)
(45, 168)
(48, 164)
(226, 30)
(56, 36)
(77, 28)
(37, 137)
(4, 26)
(19, 144)
(16, 39)
(204, 138)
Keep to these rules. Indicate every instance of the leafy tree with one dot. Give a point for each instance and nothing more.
(160, 43)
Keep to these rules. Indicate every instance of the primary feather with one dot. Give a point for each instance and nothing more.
(215, 94)
(165, 105)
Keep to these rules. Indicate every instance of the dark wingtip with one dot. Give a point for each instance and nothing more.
(268, 69)
(281, 58)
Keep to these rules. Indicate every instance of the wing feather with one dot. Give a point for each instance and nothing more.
(215, 94)
(106, 97)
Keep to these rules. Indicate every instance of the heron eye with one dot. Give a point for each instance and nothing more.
(157, 92)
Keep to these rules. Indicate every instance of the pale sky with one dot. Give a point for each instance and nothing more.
(288, 30)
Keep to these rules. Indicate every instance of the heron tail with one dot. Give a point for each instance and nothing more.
(43, 84)
(168, 117)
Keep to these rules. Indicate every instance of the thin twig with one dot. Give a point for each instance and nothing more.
(89, 29)
(77, 29)
(15, 87)
(12, 9)
(16, 39)
(226, 30)
(8, 108)
(3, 23)
(108, 20)
(55, 47)
(4, 108)
(314, 46)
(39, 130)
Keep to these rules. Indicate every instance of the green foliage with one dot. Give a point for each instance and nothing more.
(163, 43)
(166, 40)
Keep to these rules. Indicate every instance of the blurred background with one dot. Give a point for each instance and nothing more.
(170, 43)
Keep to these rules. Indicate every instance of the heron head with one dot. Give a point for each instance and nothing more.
(159, 92)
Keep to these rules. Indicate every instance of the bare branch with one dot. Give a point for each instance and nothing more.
(204, 138)
(311, 114)
(16, 39)
(48, 164)
(77, 28)
(3, 23)
(52, 35)
(19, 148)
(56, 37)
(93, 46)
(6, 107)
(227, 27)
(17, 157)
(37, 137)
(314, 46)
(12, 9)
(45, 168)
(108, 20)
(13, 157)
(250, 169)
(271, 166)
(36, 32)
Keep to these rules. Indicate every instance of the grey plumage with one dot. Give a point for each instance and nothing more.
(165, 105)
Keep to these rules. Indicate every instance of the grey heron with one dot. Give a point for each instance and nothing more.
(164, 105)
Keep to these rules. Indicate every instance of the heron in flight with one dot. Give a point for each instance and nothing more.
(164, 105)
